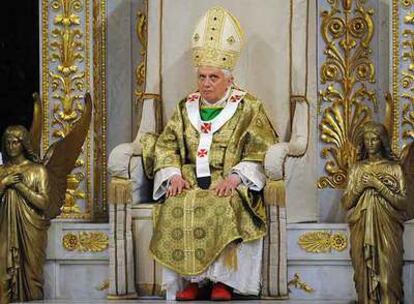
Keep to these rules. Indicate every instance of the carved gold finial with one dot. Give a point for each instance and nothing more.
(347, 4)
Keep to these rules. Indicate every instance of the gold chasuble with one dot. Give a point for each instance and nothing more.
(193, 228)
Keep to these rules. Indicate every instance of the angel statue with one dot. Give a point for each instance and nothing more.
(377, 203)
(32, 191)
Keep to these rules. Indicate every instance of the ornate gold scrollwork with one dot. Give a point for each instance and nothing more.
(403, 73)
(407, 3)
(85, 241)
(407, 74)
(67, 51)
(45, 74)
(297, 282)
(322, 242)
(142, 32)
(347, 30)
(100, 211)
(68, 83)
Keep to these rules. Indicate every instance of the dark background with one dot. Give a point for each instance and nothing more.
(19, 61)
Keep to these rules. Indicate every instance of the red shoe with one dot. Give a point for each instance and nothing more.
(190, 293)
(221, 292)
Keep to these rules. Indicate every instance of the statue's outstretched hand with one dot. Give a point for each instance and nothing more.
(227, 186)
(177, 185)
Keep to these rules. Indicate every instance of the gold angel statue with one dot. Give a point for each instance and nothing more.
(32, 191)
(377, 203)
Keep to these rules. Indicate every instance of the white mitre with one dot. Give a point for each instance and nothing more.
(217, 40)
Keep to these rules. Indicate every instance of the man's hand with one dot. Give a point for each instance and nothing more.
(177, 185)
(227, 186)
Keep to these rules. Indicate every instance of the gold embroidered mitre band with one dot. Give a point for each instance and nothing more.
(217, 40)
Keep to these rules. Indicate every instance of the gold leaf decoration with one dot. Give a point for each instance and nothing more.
(339, 242)
(73, 193)
(100, 185)
(141, 69)
(322, 242)
(68, 83)
(142, 32)
(103, 286)
(70, 242)
(297, 282)
(85, 241)
(407, 74)
(346, 102)
(407, 3)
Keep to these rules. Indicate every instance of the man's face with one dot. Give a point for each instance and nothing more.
(212, 83)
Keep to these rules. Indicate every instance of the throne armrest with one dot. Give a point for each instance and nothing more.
(133, 162)
(274, 190)
(277, 154)
(275, 159)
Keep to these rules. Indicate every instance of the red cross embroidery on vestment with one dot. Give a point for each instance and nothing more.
(206, 127)
(192, 98)
(235, 98)
(202, 152)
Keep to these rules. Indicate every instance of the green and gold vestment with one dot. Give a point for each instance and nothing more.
(193, 228)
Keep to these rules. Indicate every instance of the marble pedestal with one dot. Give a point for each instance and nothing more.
(330, 274)
(80, 272)
(75, 275)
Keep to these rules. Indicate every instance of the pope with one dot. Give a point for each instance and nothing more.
(208, 170)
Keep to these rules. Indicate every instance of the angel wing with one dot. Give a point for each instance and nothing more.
(36, 128)
(389, 114)
(61, 156)
(407, 164)
(406, 157)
